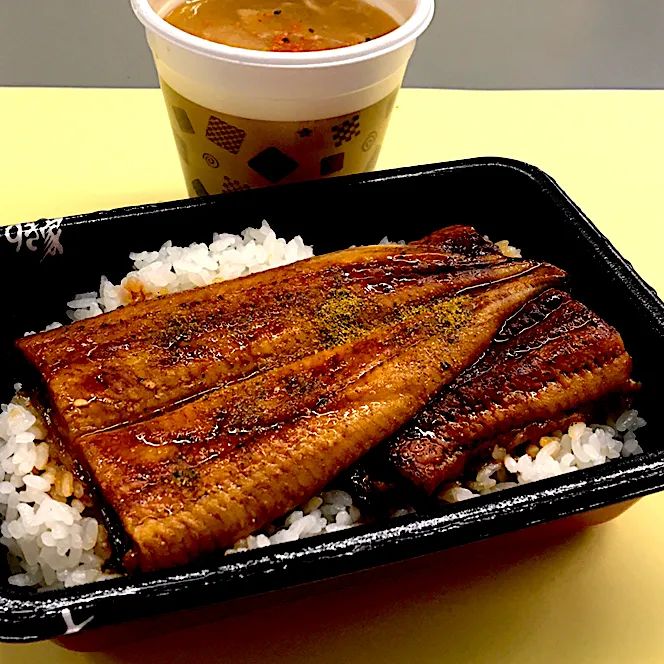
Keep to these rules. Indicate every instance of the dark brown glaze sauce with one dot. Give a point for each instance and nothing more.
(322, 412)
(129, 364)
(553, 340)
(212, 412)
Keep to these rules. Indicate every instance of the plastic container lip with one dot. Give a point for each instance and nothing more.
(526, 194)
(405, 34)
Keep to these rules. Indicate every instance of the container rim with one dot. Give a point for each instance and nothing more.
(26, 617)
(405, 34)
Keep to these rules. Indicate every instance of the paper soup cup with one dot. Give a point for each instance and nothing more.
(243, 118)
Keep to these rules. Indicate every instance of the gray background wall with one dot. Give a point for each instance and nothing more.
(472, 44)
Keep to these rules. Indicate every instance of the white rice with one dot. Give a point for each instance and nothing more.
(329, 512)
(508, 250)
(52, 545)
(581, 447)
(174, 269)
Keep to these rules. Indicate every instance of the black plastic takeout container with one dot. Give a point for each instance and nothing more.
(46, 263)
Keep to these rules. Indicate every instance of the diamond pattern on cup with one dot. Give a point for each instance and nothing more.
(230, 185)
(346, 131)
(225, 135)
(199, 188)
(273, 164)
(183, 120)
(332, 164)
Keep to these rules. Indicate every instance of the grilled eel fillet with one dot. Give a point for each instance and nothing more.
(217, 468)
(547, 365)
(125, 366)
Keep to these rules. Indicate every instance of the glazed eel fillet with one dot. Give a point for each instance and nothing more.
(552, 364)
(124, 366)
(275, 384)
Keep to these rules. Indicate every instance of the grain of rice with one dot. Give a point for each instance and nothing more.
(580, 447)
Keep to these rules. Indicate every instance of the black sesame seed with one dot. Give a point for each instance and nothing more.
(277, 12)
(285, 40)
(311, 29)
(367, 39)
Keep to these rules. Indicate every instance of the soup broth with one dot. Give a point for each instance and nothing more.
(290, 25)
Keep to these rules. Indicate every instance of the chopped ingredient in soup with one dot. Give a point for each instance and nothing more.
(291, 25)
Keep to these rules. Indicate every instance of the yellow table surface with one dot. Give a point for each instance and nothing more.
(597, 597)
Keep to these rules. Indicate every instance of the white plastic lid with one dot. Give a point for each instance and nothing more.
(283, 86)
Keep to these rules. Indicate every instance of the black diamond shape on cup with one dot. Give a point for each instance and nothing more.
(199, 188)
(183, 120)
(273, 164)
(332, 164)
